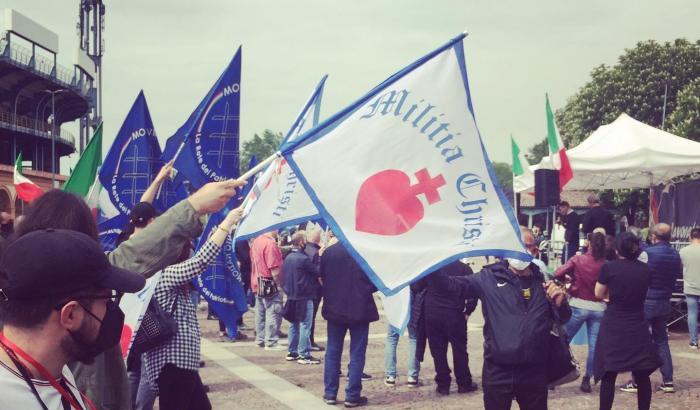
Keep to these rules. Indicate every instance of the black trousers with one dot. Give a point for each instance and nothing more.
(181, 389)
(526, 384)
(448, 326)
(317, 303)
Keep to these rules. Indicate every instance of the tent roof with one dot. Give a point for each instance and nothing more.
(628, 154)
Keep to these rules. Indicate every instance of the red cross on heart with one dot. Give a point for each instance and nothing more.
(387, 203)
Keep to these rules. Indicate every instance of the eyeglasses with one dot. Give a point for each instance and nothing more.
(113, 297)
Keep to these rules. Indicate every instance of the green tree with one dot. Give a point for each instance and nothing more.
(685, 120)
(538, 151)
(504, 173)
(635, 85)
(260, 146)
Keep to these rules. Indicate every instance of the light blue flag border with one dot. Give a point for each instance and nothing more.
(332, 122)
(315, 98)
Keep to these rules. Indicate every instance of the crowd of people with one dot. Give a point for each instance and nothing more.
(59, 307)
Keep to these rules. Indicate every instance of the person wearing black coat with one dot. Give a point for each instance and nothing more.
(571, 221)
(519, 310)
(312, 248)
(598, 217)
(445, 323)
(348, 305)
(301, 286)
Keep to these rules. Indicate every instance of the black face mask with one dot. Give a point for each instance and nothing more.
(108, 336)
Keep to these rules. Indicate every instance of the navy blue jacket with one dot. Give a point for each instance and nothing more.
(666, 266)
(515, 332)
(347, 292)
(300, 276)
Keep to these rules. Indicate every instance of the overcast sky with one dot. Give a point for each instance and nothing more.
(516, 51)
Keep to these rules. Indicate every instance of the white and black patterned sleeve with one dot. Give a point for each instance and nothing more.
(181, 273)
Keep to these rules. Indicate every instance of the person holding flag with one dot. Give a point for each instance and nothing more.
(172, 368)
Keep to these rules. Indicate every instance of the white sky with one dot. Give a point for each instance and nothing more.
(516, 51)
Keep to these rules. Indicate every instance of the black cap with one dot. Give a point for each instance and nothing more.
(141, 213)
(55, 262)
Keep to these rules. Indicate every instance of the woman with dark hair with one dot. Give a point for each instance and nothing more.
(582, 272)
(157, 246)
(624, 342)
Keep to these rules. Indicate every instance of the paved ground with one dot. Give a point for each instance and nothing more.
(241, 375)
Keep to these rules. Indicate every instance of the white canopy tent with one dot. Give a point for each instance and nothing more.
(626, 154)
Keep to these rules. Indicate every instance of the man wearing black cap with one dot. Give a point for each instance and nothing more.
(58, 302)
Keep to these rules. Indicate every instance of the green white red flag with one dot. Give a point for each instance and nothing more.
(557, 150)
(523, 178)
(26, 189)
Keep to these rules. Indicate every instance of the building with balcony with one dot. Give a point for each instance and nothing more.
(37, 97)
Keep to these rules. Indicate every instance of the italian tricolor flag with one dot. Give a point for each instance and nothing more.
(557, 151)
(26, 189)
(523, 178)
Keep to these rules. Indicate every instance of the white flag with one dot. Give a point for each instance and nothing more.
(402, 176)
(277, 199)
(397, 308)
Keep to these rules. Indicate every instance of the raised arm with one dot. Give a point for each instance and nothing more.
(150, 194)
(565, 269)
(467, 286)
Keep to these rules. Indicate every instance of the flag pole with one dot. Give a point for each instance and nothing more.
(260, 166)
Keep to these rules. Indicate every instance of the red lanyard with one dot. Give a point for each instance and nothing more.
(46, 375)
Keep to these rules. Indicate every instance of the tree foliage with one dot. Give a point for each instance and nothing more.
(260, 146)
(635, 85)
(504, 173)
(685, 120)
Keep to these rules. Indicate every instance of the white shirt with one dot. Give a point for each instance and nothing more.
(16, 394)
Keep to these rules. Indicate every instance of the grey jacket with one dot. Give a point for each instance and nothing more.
(157, 246)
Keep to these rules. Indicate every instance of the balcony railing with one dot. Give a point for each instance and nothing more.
(31, 126)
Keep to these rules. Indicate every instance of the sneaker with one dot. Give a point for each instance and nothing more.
(291, 357)
(275, 348)
(365, 377)
(412, 381)
(667, 387)
(629, 387)
(242, 328)
(586, 384)
(316, 348)
(360, 401)
(467, 388)
(240, 336)
(331, 401)
(308, 360)
(390, 381)
(694, 345)
(260, 344)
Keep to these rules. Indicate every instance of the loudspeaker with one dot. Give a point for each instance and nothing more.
(546, 188)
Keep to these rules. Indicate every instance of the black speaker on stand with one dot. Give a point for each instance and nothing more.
(547, 195)
(546, 188)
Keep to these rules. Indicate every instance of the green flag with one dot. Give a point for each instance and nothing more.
(517, 158)
(83, 176)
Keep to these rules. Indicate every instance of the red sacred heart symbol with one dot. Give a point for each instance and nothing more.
(387, 203)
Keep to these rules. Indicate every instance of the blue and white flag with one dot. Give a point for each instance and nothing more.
(133, 159)
(205, 147)
(277, 199)
(402, 176)
(109, 229)
(221, 284)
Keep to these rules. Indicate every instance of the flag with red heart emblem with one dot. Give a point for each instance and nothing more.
(402, 176)
(277, 199)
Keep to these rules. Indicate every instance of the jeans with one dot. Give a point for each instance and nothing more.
(268, 316)
(194, 296)
(142, 395)
(317, 303)
(592, 319)
(657, 313)
(299, 333)
(392, 341)
(692, 302)
(334, 350)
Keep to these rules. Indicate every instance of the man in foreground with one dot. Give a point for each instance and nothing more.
(58, 303)
(519, 309)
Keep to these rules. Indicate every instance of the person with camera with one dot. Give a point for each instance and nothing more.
(520, 309)
(581, 272)
(266, 283)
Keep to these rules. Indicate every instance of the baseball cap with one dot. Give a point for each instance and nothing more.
(141, 213)
(55, 262)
